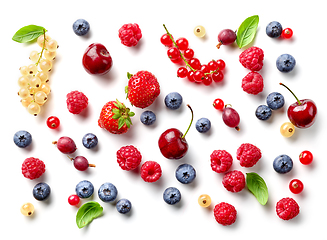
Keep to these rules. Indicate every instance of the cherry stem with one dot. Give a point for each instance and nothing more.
(190, 122)
(298, 101)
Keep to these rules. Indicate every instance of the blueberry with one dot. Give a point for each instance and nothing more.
(148, 117)
(263, 112)
(285, 63)
(41, 191)
(123, 206)
(90, 140)
(274, 29)
(22, 139)
(283, 164)
(203, 125)
(173, 100)
(81, 27)
(275, 100)
(185, 173)
(84, 189)
(172, 195)
(107, 192)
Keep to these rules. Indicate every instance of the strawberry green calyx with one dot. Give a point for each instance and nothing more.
(122, 114)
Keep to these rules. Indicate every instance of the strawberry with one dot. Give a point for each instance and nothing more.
(143, 88)
(115, 117)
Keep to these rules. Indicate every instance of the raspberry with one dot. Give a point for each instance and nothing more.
(248, 154)
(150, 171)
(128, 157)
(221, 161)
(252, 83)
(252, 58)
(287, 208)
(33, 168)
(130, 34)
(225, 213)
(76, 102)
(234, 181)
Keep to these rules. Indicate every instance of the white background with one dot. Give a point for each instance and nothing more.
(151, 217)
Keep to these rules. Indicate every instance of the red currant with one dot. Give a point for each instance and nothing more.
(182, 72)
(217, 76)
(212, 65)
(221, 64)
(204, 68)
(306, 157)
(188, 53)
(173, 53)
(176, 60)
(207, 80)
(182, 43)
(287, 33)
(198, 76)
(218, 104)
(73, 200)
(190, 76)
(195, 63)
(53, 122)
(166, 40)
(296, 186)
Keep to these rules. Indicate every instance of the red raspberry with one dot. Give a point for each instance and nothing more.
(221, 161)
(225, 213)
(252, 58)
(130, 34)
(248, 154)
(287, 208)
(234, 181)
(76, 102)
(151, 171)
(128, 157)
(252, 83)
(33, 168)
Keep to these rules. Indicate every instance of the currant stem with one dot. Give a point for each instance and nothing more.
(43, 47)
(190, 122)
(298, 101)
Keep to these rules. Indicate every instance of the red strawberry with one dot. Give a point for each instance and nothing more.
(115, 117)
(143, 88)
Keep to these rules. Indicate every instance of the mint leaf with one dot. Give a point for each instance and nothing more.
(257, 187)
(28, 33)
(87, 212)
(247, 30)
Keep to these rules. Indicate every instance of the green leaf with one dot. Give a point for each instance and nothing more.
(129, 75)
(28, 33)
(116, 116)
(87, 212)
(247, 30)
(121, 122)
(257, 187)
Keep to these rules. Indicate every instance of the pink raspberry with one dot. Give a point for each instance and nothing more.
(234, 181)
(76, 102)
(151, 171)
(221, 161)
(33, 168)
(252, 58)
(248, 154)
(287, 208)
(225, 213)
(252, 83)
(130, 34)
(128, 157)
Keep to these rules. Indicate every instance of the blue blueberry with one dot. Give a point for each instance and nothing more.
(275, 100)
(107, 192)
(172, 195)
(285, 63)
(173, 100)
(90, 140)
(84, 189)
(203, 125)
(81, 27)
(263, 112)
(274, 29)
(22, 139)
(185, 173)
(41, 191)
(283, 164)
(148, 117)
(123, 206)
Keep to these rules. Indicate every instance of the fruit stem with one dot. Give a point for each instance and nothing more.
(219, 44)
(43, 47)
(298, 101)
(190, 122)
(91, 165)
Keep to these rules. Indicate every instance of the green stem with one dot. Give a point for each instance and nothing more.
(298, 101)
(190, 122)
(43, 47)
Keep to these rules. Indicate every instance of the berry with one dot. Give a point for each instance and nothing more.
(194, 63)
(65, 145)
(90, 140)
(287, 33)
(123, 206)
(274, 29)
(190, 76)
(84, 189)
(203, 125)
(231, 117)
(81, 27)
(22, 139)
(252, 83)
(199, 31)
(76, 102)
(41, 191)
(225, 213)
(182, 72)
(275, 100)
(107, 192)
(33, 168)
(73, 200)
(285, 63)
(81, 163)
(204, 68)
(207, 80)
(217, 76)
(27, 209)
(143, 88)
(176, 60)
(151, 171)
(182, 43)
(204, 200)
(130, 34)
(221, 161)
(287, 129)
(198, 76)
(306, 157)
(226, 37)
(296, 186)
(172, 195)
(221, 64)
(166, 40)
(252, 58)
(173, 53)
(248, 154)
(148, 117)
(189, 53)
(234, 181)
(263, 112)
(128, 157)
(287, 208)
(212, 65)
(283, 164)
(218, 104)
(53, 122)
(185, 173)
(173, 100)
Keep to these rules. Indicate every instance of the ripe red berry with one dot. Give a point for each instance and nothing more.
(204, 68)
(252, 83)
(220, 161)
(73, 200)
(151, 171)
(218, 104)
(207, 80)
(225, 213)
(287, 33)
(195, 63)
(182, 43)
(234, 181)
(130, 34)
(33, 168)
(217, 76)
(221, 64)
(173, 53)
(212, 65)
(198, 76)
(128, 157)
(306, 157)
(287, 208)
(248, 154)
(176, 60)
(296, 186)
(188, 53)
(190, 76)
(166, 40)
(252, 58)
(53, 122)
(76, 102)
(182, 72)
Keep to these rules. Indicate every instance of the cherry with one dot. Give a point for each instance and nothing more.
(173, 53)
(287, 33)
(65, 145)
(218, 104)
(73, 200)
(81, 163)
(182, 43)
(306, 157)
(182, 72)
(53, 122)
(189, 53)
(296, 186)
(166, 40)
(231, 117)
(226, 37)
